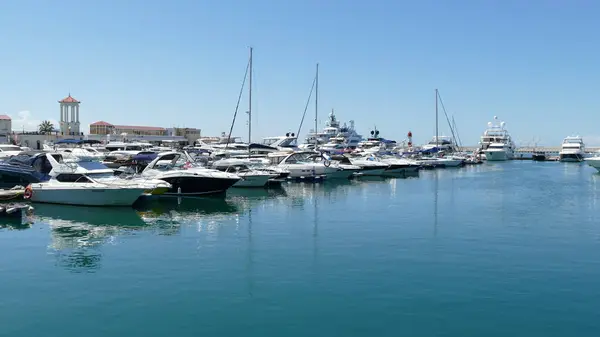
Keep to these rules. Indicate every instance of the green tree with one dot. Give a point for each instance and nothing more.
(46, 127)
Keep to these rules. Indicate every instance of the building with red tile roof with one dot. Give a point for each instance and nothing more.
(105, 128)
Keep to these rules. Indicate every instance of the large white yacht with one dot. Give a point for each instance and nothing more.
(496, 143)
(572, 149)
(343, 133)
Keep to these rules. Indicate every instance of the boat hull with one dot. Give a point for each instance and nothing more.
(594, 162)
(373, 171)
(341, 174)
(197, 185)
(253, 180)
(571, 157)
(86, 197)
(497, 155)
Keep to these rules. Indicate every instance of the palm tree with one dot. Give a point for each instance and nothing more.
(46, 127)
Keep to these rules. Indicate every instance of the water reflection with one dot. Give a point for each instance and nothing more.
(76, 233)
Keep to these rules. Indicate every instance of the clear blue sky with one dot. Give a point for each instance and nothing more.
(532, 63)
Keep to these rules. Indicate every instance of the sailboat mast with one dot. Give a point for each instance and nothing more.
(250, 105)
(316, 101)
(436, 116)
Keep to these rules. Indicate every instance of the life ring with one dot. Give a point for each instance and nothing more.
(326, 163)
(28, 192)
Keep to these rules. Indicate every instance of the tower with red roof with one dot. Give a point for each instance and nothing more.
(69, 116)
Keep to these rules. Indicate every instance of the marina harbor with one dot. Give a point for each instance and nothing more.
(299, 169)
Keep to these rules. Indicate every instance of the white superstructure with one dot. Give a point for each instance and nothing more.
(496, 142)
(343, 133)
(572, 149)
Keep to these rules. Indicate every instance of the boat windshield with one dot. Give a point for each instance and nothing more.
(4, 148)
(100, 175)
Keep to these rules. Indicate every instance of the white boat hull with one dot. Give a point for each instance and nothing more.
(253, 180)
(95, 196)
(372, 172)
(497, 155)
(593, 162)
(341, 174)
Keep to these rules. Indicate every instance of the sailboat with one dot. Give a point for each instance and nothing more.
(249, 177)
(450, 161)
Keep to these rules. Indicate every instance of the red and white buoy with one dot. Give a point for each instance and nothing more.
(409, 139)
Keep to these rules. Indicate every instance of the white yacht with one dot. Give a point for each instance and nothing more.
(81, 190)
(594, 161)
(7, 151)
(287, 143)
(87, 153)
(102, 174)
(370, 166)
(187, 178)
(572, 149)
(304, 165)
(496, 143)
(250, 177)
(333, 128)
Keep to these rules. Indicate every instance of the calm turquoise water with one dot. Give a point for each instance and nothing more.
(508, 249)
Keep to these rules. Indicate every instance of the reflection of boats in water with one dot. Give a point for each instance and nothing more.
(123, 217)
(153, 208)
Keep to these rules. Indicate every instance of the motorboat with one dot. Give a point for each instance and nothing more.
(303, 165)
(26, 168)
(102, 174)
(594, 161)
(250, 177)
(81, 190)
(398, 166)
(375, 144)
(287, 143)
(496, 143)
(572, 149)
(186, 177)
(7, 151)
(83, 153)
(369, 166)
(450, 161)
(264, 164)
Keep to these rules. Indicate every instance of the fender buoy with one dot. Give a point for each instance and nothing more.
(326, 163)
(28, 192)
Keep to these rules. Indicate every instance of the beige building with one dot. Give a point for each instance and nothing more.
(5, 125)
(69, 116)
(105, 128)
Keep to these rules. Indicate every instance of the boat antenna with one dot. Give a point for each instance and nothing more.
(250, 104)
(436, 119)
(454, 137)
(238, 104)
(316, 100)
(312, 88)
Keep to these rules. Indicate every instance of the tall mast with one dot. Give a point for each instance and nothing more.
(436, 116)
(250, 105)
(316, 101)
